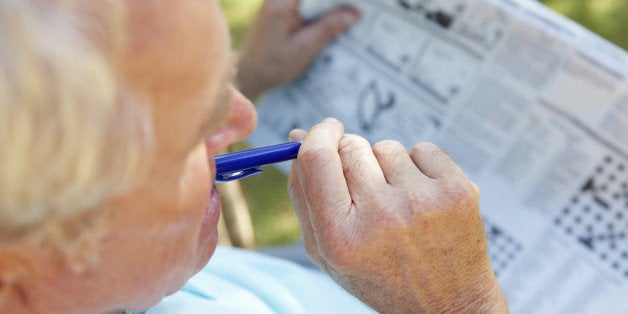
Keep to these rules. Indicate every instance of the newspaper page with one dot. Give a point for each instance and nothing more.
(531, 105)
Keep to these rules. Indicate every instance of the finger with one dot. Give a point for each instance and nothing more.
(298, 199)
(361, 169)
(314, 37)
(281, 16)
(297, 135)
(295, 191)
(397, 166)
(280, 7)
(320, 173)
(434, 162)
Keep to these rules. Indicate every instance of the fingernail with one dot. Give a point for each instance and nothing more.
(297, 135)
(331, 120)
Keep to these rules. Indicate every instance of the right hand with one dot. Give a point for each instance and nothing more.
(402, 232)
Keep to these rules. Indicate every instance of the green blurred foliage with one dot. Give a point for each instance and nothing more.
(271, 211)
(608, 18)
(239, 14)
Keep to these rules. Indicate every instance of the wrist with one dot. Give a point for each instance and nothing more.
(483, 295)
(486, 300)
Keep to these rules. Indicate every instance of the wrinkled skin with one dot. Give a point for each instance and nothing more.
(401, 231)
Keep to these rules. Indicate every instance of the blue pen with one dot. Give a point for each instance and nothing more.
(238, 165)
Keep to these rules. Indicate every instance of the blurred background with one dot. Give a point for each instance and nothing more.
(272, 215)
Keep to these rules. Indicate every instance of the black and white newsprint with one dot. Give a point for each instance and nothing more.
(531, 105)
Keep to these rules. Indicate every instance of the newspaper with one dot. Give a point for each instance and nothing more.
(531, 105)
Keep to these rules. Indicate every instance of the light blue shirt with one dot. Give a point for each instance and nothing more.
(241, 281)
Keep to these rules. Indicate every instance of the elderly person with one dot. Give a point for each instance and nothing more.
(110, 115)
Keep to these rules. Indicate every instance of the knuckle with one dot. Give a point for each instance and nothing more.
(461, 193)
(351, 143)
(389, 150)
(430, 150)
(418, 204)
(388, 145)
(448, 196)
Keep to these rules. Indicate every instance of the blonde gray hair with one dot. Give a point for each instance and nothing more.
(70, 137)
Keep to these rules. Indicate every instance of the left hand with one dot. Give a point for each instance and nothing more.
(280, 45)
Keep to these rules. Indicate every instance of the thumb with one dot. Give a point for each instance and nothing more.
(297, 135)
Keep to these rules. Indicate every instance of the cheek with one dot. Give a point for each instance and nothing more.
(196, 186)
(194, 226)
(182, 221)
(197, 173)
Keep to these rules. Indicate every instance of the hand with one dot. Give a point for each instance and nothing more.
(281, 45)
(402, 232)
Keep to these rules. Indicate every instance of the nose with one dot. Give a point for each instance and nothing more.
(240, 122)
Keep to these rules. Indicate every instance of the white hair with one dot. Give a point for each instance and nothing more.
(70, 137)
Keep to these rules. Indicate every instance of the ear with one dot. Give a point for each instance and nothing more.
(12, 297)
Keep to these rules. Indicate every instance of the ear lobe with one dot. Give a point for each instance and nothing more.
(12, 298)
(15, 275)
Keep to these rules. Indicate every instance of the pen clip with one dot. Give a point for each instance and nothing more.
(237, 175)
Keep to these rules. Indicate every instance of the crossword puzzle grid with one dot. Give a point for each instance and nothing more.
(502, 247)
(596, 216)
